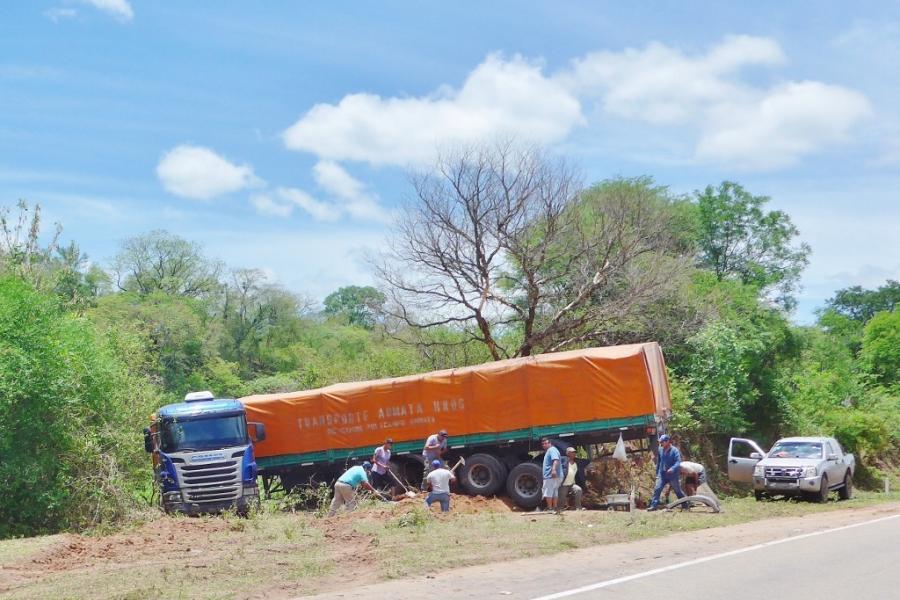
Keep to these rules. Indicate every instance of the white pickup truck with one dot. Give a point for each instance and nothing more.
(808, 466)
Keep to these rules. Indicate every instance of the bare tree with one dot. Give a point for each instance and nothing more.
(501, 244)
(21, 252)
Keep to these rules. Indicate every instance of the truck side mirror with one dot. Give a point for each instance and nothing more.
(756, 455)
(832, 457)
(259, 432)
(148, 441)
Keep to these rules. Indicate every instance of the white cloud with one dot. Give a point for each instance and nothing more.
(724, 115)
(265, 205)
(783, 125)
(355, 199)
(199, 173)
(499, 97)
(58, 14)
(119, 9)
(320, 211)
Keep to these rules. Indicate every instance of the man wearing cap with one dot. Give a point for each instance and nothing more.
(434, 449)
(553, 473)
(346, 486)
(668, 470)
(380, 466)
(438, 481)
(573, 482)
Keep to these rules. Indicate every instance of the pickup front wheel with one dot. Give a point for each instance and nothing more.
(822, 496)
(847, 490)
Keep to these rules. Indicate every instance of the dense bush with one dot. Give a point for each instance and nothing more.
(71, 412)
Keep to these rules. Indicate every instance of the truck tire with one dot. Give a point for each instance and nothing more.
(846, 491)
(524, 485)
(822, 496)
(481, 475)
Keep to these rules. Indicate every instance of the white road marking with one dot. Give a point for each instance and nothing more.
(697, 561)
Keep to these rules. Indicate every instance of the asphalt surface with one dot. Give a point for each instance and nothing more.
(847, 553)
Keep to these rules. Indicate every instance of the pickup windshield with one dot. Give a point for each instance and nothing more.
(796, 450)
(203, 434)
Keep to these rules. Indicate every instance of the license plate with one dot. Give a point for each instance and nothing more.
(782, 484)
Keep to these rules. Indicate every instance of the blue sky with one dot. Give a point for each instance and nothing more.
(279, 134)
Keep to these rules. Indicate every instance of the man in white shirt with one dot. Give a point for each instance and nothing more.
(438, 481)
(380, 466)
(572, 476)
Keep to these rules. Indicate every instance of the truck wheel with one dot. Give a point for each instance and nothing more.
(822, 496)
(481, 475)
(847, 490)
(524, 485)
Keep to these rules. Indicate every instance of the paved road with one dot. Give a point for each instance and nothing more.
(847, 553)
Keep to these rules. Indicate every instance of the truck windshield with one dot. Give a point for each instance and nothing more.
(796, 450)
(203, 434)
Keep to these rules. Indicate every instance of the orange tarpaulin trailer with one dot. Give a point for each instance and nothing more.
(581, 386)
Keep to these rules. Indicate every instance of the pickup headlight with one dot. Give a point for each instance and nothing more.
(810, 472)
(759, 471)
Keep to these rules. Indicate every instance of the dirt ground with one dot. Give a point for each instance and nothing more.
(281, 555)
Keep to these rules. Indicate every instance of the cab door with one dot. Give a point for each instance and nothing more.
(743, 455)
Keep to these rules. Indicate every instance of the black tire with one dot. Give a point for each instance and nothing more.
(524, 483)
(480, 475)
(760, 496)
(822, 496)
(700, 502)
(846, 491)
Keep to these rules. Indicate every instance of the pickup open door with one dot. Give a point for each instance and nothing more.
(742, 458)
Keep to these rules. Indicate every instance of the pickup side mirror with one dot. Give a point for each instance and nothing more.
(832, 457)
(148, 440)
(258, 433)
(756, 455)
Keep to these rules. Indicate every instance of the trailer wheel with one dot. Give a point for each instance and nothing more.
(524, 484)
(481, 475)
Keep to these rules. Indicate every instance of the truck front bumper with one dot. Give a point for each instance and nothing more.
(787, 486)
(173, 502)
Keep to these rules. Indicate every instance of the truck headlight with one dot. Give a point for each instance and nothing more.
(810, 472)
(759, 471)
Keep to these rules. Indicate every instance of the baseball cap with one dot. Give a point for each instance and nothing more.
(570, 449)
(443, 432)
(367, 466)
(435, 464)
(389, 441)
(664, 437)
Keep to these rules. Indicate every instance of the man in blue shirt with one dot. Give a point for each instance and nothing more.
(668, 470)
(346, 486)
(553, 473)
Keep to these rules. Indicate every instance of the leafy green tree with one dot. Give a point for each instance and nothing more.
(163, 262)
(880, 354)
(860, 305)
(71, 409)
(358, 305)
(739, 239)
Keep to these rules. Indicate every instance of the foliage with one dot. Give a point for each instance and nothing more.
(860, 304)
(71, 410)
(739, 239)
(357, 305)
(880, 354)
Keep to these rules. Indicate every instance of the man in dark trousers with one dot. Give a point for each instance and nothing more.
(668, 470)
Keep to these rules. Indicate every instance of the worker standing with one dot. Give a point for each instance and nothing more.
(552, 473)
(439, 481)
(346, 486)
(668, 470)
(434, 449)
(573, 482)
(380, 465)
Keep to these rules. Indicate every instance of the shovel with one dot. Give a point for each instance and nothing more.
(409, 494)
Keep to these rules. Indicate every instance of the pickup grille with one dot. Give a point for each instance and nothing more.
(210, 482)
(783, 472)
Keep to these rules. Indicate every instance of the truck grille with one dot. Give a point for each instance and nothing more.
(783, 472)
(210, 482)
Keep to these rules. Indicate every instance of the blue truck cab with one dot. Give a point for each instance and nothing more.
(202, 455)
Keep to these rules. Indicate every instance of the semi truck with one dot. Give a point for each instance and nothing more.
(202, 455)
(495, 414)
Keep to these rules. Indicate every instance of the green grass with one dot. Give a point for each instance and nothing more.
(294, 554)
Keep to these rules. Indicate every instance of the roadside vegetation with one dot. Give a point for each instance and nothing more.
(534, 262)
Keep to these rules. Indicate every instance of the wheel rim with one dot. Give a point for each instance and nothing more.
(481, 476)
(527, 486)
